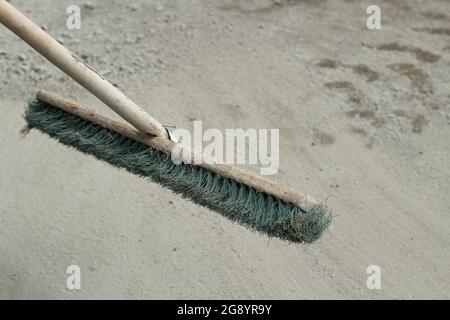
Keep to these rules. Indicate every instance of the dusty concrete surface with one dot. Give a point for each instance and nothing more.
(364, 119)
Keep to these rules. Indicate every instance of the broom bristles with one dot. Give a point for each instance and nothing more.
(236, 201)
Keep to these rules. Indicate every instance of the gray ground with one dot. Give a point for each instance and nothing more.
(364, 119)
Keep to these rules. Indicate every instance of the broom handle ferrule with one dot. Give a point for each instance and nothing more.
(81, 72)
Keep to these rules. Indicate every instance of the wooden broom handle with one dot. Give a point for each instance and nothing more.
(80, 71)
(289, 195)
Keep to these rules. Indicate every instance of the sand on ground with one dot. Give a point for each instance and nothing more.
(364, 119)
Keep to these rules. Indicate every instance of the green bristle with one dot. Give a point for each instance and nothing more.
(235, 201)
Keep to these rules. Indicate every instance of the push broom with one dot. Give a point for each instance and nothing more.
(144, 147)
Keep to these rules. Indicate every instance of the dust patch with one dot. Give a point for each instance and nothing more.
(322, 138)
(418, 123)
(425, 56)
(359, 131)
(368, 115)
(400, 113)
(328, 63)
(435, 31)
(435, 15)
(360, 69)
(370, 141)
(365, 71)
(347, 87)
(249, 7)
(234, 110)
(420, 54)
(434, 106)
(401, 5)
(419, 79)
